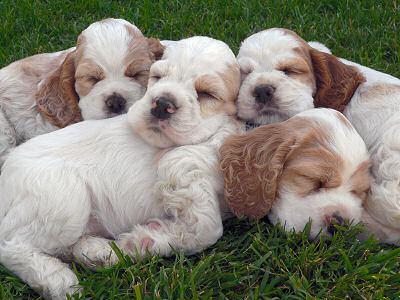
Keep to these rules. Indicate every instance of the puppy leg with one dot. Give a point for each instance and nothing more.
(94, 251)
(51, 278)
(8, 139)
(187, 188)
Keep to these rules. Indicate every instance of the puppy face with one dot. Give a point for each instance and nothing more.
(282, 76)
(191, 91)
(312, 167)
(104, 76)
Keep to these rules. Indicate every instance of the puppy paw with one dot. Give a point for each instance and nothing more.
(94, 251)
(154, 225)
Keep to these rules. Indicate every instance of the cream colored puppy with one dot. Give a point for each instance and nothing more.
(148, 179)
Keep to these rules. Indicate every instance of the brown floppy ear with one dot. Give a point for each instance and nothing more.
(156, 47)
(335, 81)
(57, 99)
(252, 164)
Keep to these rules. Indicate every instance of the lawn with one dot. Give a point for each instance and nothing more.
(252, 259)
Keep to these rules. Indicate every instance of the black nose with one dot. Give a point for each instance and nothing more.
(335, 219)
(163, 108)
(263, 93)
(116, 103)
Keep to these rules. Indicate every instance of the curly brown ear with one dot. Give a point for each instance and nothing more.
(57, 99)
(156, 47)
(336, 82)
(251, 164)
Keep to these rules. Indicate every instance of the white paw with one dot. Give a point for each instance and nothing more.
(94, 251)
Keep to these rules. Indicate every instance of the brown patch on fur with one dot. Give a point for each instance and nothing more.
(293, 155)
(380, 90)
(57, 99)
(231, 79)
(361, 180)
(141, 54)
(312, 165)
(87, 74)
(218, 94)
(300, 67)
(156, 48)
(41, 64)
(138, 70)
(336, 82)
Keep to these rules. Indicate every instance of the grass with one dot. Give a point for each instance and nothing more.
(251, 260)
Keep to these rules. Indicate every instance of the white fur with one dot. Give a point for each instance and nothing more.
(105, 44)
(374, 111)
(69, 192)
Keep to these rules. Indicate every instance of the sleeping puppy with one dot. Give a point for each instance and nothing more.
(101, 77)
(148, 179)
(313, 166)
(282, 75)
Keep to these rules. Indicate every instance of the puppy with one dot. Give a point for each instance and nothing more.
(99, 78)
(313, 166)
(148, 179)
(282, 76)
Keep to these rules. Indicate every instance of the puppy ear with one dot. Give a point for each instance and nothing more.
(336, 82)
(57, 99)
(252, 164)
(156, 47)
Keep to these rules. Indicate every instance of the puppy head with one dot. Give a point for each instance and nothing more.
(106, 73)
(313, 166)
(282, 75)
(191, 91)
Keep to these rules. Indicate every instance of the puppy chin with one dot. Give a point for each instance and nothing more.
(146, 126)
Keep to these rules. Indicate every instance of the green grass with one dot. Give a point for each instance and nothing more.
(252, 260)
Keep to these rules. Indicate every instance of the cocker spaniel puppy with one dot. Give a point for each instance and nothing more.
(101, 77)
(282, 75)
(313, 166)
(148, 179)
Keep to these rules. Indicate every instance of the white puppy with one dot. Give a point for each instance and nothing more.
(313, 166)
(148, 179)
(100, 78)
(282, 76)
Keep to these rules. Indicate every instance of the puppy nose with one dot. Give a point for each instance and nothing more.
(333, 220)
(115, 103)
(163, 108)
(263, 93)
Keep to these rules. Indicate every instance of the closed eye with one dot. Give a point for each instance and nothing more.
(205, 95)
(138, 74)
(93, 79)
(155, 77)
(292, 70)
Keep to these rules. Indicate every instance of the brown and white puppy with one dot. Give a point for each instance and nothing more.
(313, 166)
(282, 75)
(99, 78)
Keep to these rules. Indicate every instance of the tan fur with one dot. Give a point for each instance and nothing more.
(57, 99)
(361, 181)
(293, 156)
(216, 95)
(86, 75)
(336, 82)
(139, 58)
(251, 164)
(379, 90)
